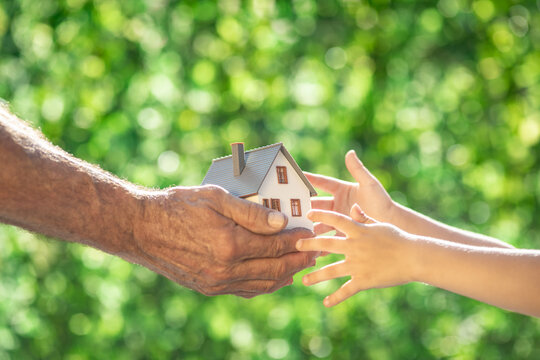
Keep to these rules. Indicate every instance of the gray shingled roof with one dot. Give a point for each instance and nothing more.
(258, 162)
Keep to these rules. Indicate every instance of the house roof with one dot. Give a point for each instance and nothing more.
(258, 163)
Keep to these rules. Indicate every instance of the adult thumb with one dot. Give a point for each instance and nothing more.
(358, 215)
(253, 217)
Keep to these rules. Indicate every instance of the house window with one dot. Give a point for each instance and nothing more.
(296, 210)
(266, 203)
(281, 174)
(276, 204)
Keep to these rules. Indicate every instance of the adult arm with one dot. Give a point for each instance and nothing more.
(200, 237)
(369, 193)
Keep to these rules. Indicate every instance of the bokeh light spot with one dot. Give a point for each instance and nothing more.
(168, 162)
(277, 348)
(336, 58)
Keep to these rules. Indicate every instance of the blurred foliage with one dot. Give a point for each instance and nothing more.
(440, 98)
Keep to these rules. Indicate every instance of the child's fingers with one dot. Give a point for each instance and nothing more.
(338, 221)
(345, 291)
(320, 228)
(323, 243)
(323, 203)
(325, 183)
(358, 215)
(332, 271)
(358, 171)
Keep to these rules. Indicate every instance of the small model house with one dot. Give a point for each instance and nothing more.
(268, 176)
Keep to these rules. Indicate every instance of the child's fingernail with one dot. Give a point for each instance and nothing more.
(356, 157)
(326, 301)
(305, 280)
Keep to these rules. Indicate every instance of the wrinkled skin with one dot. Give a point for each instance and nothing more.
(199, 237)
(193, 236)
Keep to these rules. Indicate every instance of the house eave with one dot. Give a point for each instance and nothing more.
(312, 191)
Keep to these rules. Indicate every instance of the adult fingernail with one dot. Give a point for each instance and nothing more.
(276, 219)
(299, 244)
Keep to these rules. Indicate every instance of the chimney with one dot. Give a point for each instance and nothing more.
(238, 158)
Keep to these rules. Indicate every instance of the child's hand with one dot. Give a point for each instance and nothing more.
(376, 255)
(367, 192)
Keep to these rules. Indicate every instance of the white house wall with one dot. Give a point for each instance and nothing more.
(254, 198)
(295, 189)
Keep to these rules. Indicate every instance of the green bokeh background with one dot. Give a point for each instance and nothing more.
(441, 100)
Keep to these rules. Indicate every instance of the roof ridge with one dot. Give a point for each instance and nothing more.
(258, 162)
(255, 149)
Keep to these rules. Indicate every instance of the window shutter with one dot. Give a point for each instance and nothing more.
(296, 210)
(282, 174)
(276, 205)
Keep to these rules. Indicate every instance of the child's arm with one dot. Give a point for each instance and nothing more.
(381, 255)
(373, 198)
(419, 224)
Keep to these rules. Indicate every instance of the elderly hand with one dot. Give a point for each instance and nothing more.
(210, 241)
(199, 237)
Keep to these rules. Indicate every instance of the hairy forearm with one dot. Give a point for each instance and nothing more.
(44, 189)
(200, 237)
(419, 224)
(507, 278)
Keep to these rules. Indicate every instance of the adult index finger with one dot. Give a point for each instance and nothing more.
(250, 246)
(276, 269)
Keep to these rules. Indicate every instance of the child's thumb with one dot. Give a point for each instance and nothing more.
(358, 215)
(357, 169)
